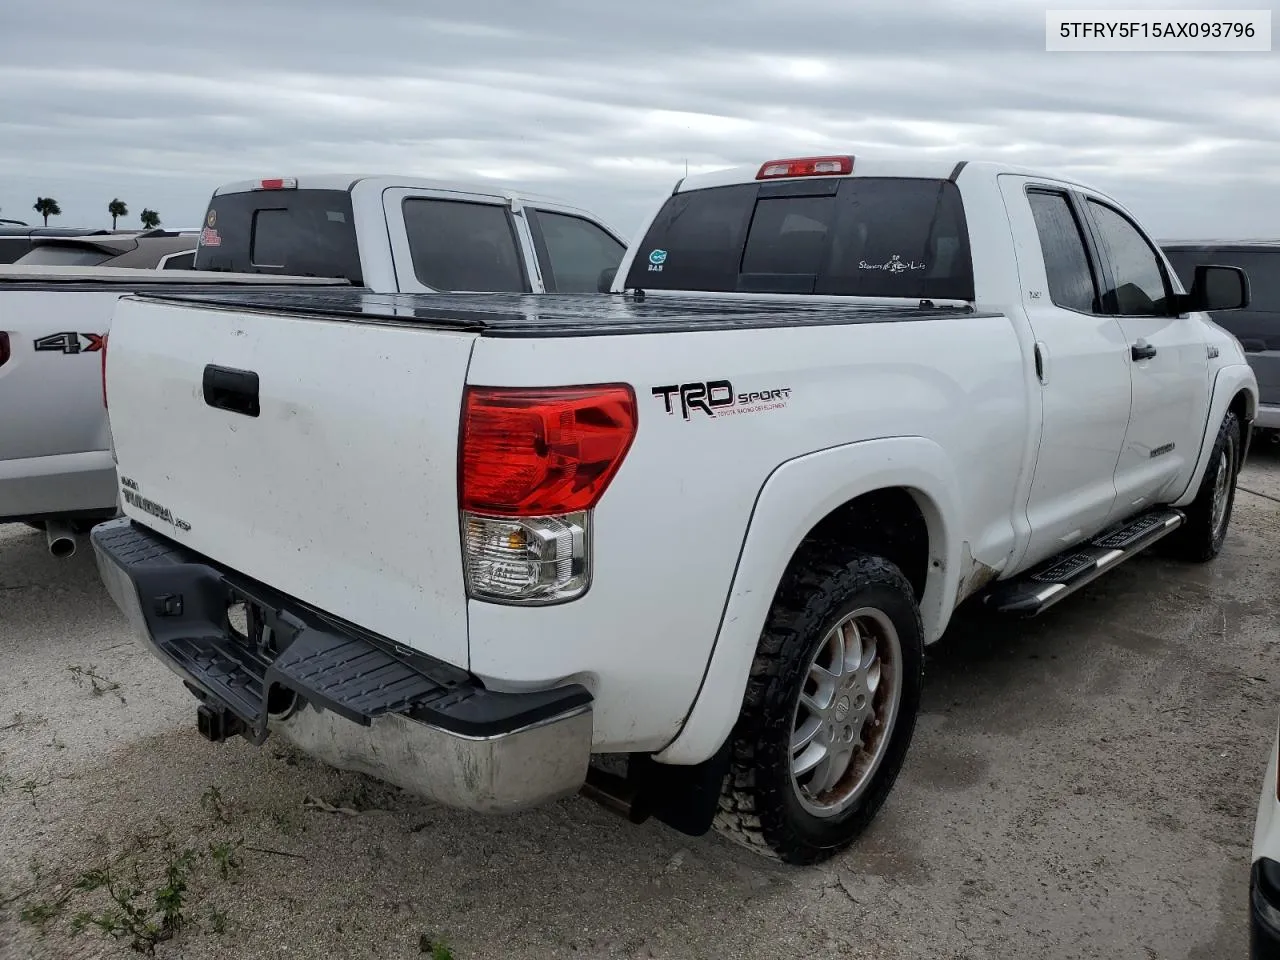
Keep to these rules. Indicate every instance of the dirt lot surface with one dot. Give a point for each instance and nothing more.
(1083, 785)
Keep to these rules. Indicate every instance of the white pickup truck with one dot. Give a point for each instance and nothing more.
(709, 521)
(384, 234)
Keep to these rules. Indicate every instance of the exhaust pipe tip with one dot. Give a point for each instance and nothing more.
(61, 538)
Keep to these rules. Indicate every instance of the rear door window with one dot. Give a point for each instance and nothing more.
(573, 252)
(461, 245)
(855, 236)
(306, 233)
(1066, 260)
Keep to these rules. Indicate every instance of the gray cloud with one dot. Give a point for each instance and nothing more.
(603, 104)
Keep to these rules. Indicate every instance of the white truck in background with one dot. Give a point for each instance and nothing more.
(466, 544)
(381, 234)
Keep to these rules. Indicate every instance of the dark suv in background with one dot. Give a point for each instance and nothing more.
(1257, 327)
(17, 239)
(151, 249)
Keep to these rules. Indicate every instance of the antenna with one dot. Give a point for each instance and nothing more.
(686, 166)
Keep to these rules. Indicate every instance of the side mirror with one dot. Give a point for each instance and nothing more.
(1218, 288)
(605, 281)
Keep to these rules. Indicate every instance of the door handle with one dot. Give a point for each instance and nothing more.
(233, 390)
(1142, 350)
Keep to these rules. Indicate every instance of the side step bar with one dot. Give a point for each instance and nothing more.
(1038, 589)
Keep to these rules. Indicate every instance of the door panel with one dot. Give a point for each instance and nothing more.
(1085, 382)
(1167, 354)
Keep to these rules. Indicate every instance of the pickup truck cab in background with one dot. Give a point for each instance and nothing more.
(1257, 327)
(408, 235)
(709, 521)
(381, 234)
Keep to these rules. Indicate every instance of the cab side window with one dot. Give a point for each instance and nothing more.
(575, 252)
(1139, 287)
(1066, 260)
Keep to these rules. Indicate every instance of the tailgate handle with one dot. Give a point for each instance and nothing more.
(233, 390)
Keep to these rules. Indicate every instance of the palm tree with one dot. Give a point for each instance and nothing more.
(150, 219)
(117, 209)
(47, 207)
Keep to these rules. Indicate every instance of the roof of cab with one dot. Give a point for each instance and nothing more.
(341, 181)
(942, 168)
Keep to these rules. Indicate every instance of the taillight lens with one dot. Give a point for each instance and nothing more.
(534, 463)
(537, 453)
(5, 351)
(104, 368)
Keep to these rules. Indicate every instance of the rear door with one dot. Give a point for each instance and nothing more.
(1168, 359)
(1082, 368)
(445, 241)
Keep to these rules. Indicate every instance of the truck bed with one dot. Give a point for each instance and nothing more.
(562, 315)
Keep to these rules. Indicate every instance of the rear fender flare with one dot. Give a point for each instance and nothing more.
(794, 498)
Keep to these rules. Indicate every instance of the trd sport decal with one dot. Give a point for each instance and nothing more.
(716, 398)
(70, 342)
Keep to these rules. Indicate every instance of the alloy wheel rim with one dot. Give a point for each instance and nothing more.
(845, 712)
(1221, 490)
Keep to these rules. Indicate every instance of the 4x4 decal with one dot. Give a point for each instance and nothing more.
(70, 342)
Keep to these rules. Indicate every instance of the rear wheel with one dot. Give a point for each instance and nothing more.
(829, 711)
(1200, 539)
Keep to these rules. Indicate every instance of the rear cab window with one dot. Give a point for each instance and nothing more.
(305, 233)
(883, 237)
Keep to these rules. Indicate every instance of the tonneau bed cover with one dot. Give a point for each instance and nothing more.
(579, 314)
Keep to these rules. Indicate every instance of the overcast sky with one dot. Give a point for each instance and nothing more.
(603, 101)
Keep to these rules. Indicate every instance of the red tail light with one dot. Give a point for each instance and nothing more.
(543, 452)
(5, 352)
(278, 183)
(806, 167)
(104, 368)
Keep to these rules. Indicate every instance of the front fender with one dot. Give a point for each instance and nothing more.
(1230, 380)
(794, 498)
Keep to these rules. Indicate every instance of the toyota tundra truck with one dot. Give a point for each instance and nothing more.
(480, 546)
(382, 234)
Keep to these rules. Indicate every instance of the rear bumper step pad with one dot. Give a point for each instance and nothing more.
(353, 700)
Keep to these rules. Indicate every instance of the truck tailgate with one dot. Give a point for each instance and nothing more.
(339, 488)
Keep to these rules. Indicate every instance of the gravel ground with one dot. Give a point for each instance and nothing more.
(1083, 785)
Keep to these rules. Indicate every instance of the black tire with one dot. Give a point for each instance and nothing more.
(760, 806)
(1200, 539)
